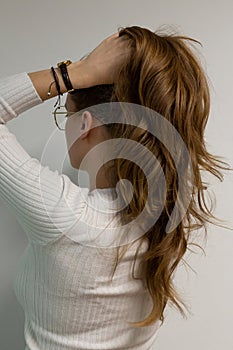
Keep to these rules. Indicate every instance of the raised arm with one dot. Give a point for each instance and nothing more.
(100, 67)
(33, 192)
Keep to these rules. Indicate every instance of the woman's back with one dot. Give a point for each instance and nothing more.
(69, 302)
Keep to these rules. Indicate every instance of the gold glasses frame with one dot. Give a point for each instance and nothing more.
(67, 114)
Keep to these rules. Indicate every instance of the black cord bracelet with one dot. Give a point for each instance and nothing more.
(56, 81)
(57, 86)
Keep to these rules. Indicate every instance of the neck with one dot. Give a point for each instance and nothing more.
(100, 181)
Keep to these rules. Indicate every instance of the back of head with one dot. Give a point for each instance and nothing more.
(164, 75)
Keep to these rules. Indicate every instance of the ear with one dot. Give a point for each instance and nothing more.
(86, 123)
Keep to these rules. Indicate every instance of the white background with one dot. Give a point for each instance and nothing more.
(35, 35)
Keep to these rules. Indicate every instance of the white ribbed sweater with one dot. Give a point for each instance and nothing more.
(62, 284)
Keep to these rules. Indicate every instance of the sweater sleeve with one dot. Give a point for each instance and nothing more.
(40, 199)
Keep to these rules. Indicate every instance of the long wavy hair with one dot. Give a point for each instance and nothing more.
(164, 74)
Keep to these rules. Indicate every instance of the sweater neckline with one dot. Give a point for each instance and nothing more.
(109, 193)
(103, 190)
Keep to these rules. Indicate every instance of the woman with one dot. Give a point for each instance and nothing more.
(77, 295)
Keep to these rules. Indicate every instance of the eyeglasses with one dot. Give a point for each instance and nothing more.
(60, 116)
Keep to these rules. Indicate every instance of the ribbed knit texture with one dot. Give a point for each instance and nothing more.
(63, 283)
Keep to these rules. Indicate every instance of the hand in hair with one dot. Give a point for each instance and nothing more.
(103, 64)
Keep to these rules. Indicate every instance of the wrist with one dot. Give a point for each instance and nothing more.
(78, 76)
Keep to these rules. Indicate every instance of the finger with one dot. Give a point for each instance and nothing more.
(113, 36)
